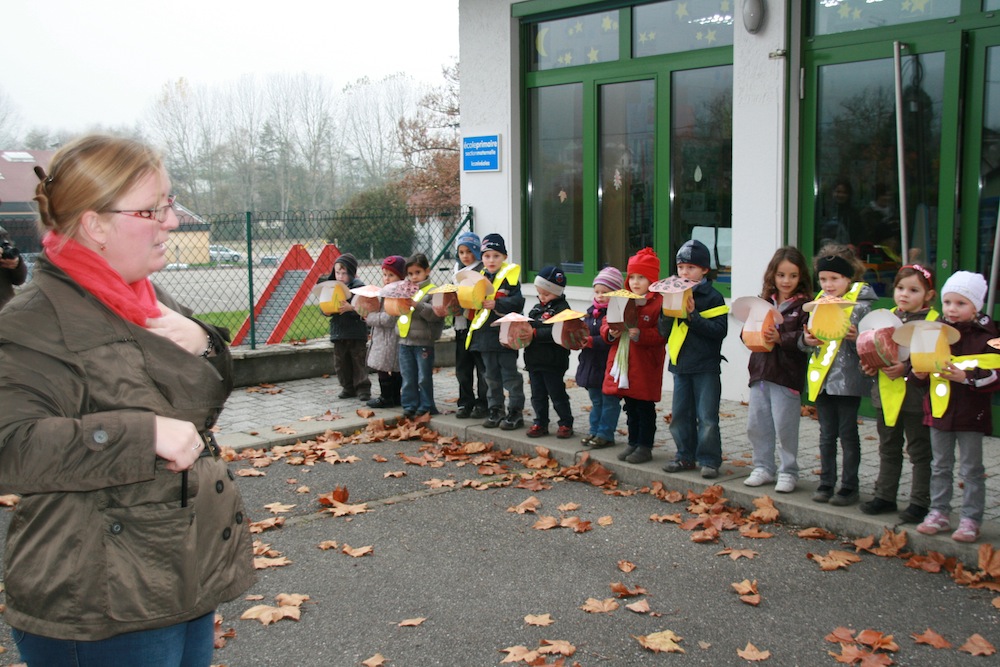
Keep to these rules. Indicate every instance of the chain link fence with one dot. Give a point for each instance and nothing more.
(225, 266)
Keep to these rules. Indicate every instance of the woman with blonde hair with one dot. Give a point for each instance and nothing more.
(130, 530)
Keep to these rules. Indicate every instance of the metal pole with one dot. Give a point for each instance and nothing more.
(995, 266)
(253, 320)
(904, 222)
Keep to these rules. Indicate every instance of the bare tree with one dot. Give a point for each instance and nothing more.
(372, 110)
(318, 141)
(245, 115)
(10, 122)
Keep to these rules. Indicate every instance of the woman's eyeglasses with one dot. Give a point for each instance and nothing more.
(158, 214)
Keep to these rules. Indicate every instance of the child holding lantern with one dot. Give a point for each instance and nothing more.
(349, 335)
(959, 412)
(418, 331)
(383, 354)
(834, 376)
(593, 363)
(546, 360)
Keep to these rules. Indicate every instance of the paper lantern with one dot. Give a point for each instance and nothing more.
(515, 331)
(568, 329)
(397, 297)
(621, 307)
(332, 294)
(366, 300)
(446, 296)
(473, 289)
(875, 345)
(929, 342)
(676, 293)
(829, 317)
(759, 316)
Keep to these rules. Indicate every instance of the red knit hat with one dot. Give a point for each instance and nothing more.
(646, 263)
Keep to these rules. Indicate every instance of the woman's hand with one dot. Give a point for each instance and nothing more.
(174, 326)
(177, 442)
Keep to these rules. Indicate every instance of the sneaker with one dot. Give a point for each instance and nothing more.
(536, 431)
(822, 494)
(409, 414)
(913, 514)
(346, 393)
(845, 497)
(627, 452)
(496, 416)
(678, 466)
(708, 472)
(586, 440)
(564, 432)
(934, 523)
(479, 412)
(877, 506)
(464, 412)
(512, 421)
(967, 531)
(640, 455)
(597, 442)
(786, 483)
(759, 477)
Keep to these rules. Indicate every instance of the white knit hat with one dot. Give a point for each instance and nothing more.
(970, 285)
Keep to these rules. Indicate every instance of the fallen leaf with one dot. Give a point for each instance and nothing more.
(545, 523)
(252, 598)
(328, 544)
(595, 606)
(302, 489)
(250, 472)
(519, 654)
(977, 645)
(439, 483)
(220, 635)
(569, 507)
(834, 560)
(278, 508)
(605, 521)
(752, 653)
(290, 599)
(529, 505)
(365, 413)
(375, 661)
(876, 640)
(556, 647)
(626, 566)
(931, 638)
(639, 607)
(264, 563)
(736, 554)
(539, 619)
(841, 635)
(766, 512)
(623, 591)
(412, 622)
(394, 473)
(266, 524)
(664, 641)
(816, 533)
(357, 553)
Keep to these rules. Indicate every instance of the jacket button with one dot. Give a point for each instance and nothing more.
(227, 533)
(100, 436)
(219, 486)
(117, 528)
(231, 475)
(239, 517)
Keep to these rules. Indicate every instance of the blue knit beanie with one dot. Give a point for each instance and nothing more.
(471, 241)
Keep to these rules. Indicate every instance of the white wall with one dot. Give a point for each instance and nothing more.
(490, 99)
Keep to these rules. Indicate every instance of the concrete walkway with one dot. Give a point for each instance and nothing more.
(252, 414)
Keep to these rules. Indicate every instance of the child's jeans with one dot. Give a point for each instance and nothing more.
(695, 421)
(890, 453)
(773, 416)
(604, 411)
(640, 418)
(502, 373)
(838, 417)
(970, 469)
(416, 365)
(547, 385)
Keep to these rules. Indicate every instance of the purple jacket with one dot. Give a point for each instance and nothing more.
(593, 360)
(785, 365)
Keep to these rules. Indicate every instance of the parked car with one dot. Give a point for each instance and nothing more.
(220, 253)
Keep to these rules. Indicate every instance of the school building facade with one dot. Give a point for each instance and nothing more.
(595, 128)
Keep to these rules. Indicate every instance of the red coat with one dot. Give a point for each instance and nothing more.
(646, 355)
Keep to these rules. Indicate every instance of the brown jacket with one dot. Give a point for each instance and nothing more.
(100, 543)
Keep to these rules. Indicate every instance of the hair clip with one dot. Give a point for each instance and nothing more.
(40, 173)
(924, 272)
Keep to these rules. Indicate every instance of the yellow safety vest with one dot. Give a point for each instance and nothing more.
(941, 388)
(403, 323)
(820, 362)
(509, 272)
(892, 392)
(679, 330)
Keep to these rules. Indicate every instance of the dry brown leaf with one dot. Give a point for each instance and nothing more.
(545, 523)
(595, 606)
(639, 607)
(752, 653)
(395, 473)
(556, 647)
(766, 512)
(328, 544)
(834, 560)
(568, 507)
(302, 489)
(876, 640)
(278, 508)
(290, 599)
(664, 641)
(250, 472)
(412, 622)
(539, 619)
(745, 587)
(264, 563)
(931, 638)
(816, 533)
(519, 654)
(605, 521)
(340, 509)
(753, 531)
(375, 661)
(736, 554)
(841, 635)
(357, 553)
(266, 524)
(436, 483)
(530, 504)
(626, 566)
(977, 645)
(253, 598)
(623, 591)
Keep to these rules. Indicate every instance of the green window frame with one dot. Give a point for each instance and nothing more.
(591, 77)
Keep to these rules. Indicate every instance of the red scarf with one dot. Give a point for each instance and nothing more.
(135, 302)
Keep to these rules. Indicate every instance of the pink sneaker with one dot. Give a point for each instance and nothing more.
(968, 531)
(934, 523)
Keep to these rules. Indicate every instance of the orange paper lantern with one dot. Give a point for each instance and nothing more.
(332, 294)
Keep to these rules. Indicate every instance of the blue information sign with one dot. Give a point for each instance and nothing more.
(481, 153)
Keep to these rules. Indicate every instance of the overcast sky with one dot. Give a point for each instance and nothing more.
(69, 64)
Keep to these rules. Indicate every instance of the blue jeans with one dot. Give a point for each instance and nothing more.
(547, 385)
(416, 365)
(604, 411)
(695, 421)
(838, 417)
(187, 644)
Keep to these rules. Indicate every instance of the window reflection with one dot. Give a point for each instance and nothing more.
(625, 187)
(555, 197)
(833, 16)
(989, 162)
(678, 26)
(701, 157)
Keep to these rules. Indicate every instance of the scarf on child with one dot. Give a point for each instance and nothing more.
(135, 302)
